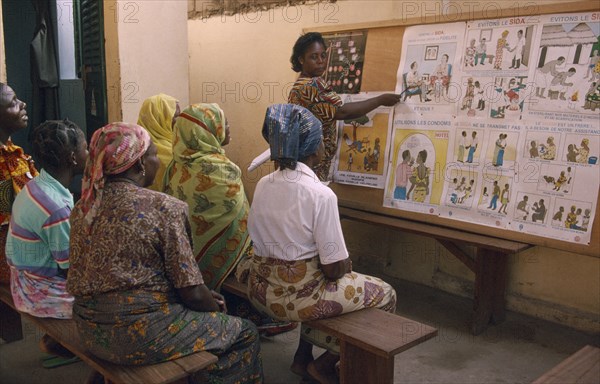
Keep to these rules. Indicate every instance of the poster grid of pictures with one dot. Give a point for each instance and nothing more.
(499, 125)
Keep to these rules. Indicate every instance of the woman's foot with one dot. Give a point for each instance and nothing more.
(299, 366)
(49, 345)
(322, 374)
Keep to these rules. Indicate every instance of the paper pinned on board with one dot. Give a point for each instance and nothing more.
(259, 160)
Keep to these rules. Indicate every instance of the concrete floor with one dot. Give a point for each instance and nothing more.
(516, 351)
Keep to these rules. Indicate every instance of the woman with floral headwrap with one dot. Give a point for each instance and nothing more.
(300, 270)
(139, 295)
(157, 115)
(501, 45)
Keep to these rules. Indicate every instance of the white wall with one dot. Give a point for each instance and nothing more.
(152, 53)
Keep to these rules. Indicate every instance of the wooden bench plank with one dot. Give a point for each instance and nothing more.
(486, 242)
(583, 367)
(369, 340)
(65, 332)
(233, 286)
(379, 332)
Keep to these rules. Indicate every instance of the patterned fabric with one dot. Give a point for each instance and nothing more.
(500, 46)
(17, 166)
(292, 132)
(138, 241)
(113, 149)
(315, 95)
(140, 327)
(37, 248)
(421, 183)
(202, 176)
(156, 115)
(298, 291)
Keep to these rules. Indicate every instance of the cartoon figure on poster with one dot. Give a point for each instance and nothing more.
(415, 84)
(582, 149)
(574, 215)
(530, 207)
(415, 159)
(539, 146)
(428, 72)
(361, 148)
(467, 143)
(460, 191)
(473, 100)
(556, 178)
(567, 72)
(499, 48)
(495, 195)
(502, 148)
(508, 97)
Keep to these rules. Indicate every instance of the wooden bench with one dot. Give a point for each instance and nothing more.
(369, 339)
(583, 367)
(65, 332)
(489, 264)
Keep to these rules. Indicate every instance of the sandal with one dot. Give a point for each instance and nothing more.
(58, 361)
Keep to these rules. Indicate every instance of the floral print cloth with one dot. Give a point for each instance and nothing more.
(298, 291)
(211, 185)
(315, 95)
(139, 327)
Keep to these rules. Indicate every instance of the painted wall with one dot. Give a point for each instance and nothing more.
(146, 53)
(2, 54)
(242, 63)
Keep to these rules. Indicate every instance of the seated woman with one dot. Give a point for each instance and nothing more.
(202, 176)
(157, 116)
(37, 247)
(139, 295)
(211, 184)
(300, 270)
(16, 168)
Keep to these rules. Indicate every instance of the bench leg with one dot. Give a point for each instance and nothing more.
(490, 286)
(10, 324)
(360, 366)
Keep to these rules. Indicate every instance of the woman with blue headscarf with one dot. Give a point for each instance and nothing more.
(300, 270)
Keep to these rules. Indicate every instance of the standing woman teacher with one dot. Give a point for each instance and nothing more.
(309, 58)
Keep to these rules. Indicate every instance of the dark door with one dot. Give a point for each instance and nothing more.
(91, 62)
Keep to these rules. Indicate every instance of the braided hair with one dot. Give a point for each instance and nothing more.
(302, 45)
(54, 141)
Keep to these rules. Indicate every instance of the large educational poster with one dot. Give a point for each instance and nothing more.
(418, 155)
(345, 58)
(431, 55)
(514, 140)
(363, 146)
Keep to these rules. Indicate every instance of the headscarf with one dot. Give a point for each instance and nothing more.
(113, 149)
(292, 132)
(156, 115)
(201, 175)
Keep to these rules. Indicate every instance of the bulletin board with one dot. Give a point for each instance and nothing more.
(382, 58)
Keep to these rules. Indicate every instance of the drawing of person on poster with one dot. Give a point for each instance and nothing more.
(410, 183)
(564, 78)
(508, 100)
